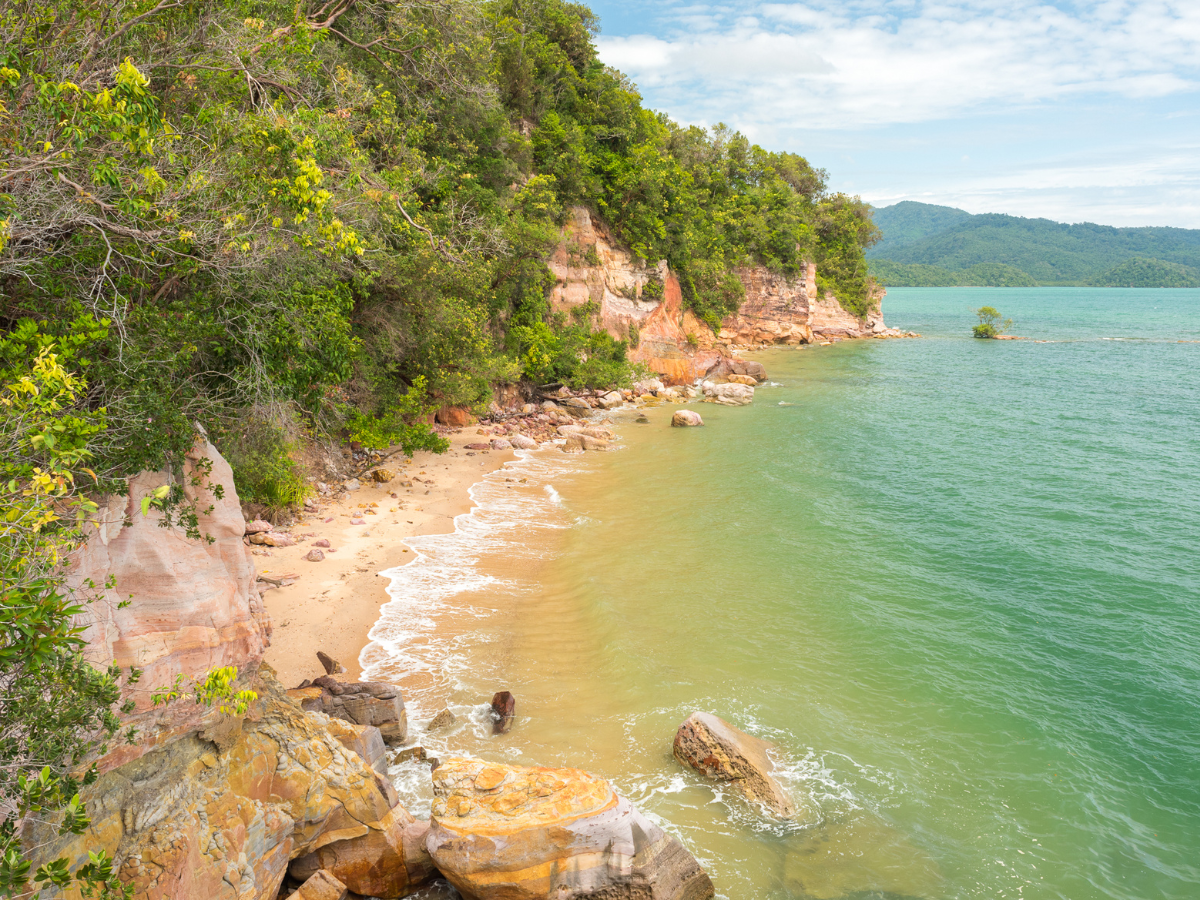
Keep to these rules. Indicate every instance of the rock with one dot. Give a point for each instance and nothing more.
(592, 443)
(352, 485)
(717, 750)
(385, 859)
(501, 444)
(859, 856)
(328, 663)
(382, 476)
(479, 446)
(272, 539)
(321, 886)
(576, 407)
(611, 400)
(514, 833)
(729, 394)
(404, 755)
(358, 521)
(528, 409)
(314, 555)
(521, 442)
(642, 420)
(648, 386)
(454, 416)
(258, 526)
(323, 543)
(686, 418)
(504, 710)
(549, 406)
(361, 702)
(727, 366)
(741, 379)
(441, 720)
(231, 803)
(322, 487)
(195, 605)
(573, 445)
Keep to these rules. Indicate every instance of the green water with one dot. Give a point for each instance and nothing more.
(956, 581)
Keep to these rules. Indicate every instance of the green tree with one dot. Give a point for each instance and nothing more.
(990, 323)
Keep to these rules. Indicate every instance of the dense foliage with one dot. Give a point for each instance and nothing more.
(287, 214)
(926, 245)
(991, 323)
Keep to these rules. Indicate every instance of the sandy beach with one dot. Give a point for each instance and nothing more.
(332, 604)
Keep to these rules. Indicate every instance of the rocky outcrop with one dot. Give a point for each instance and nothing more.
(220, 814)
(513, 833)
(361, 702)
(728, 394)
(719, 751)
(643, 303)
(195, 604)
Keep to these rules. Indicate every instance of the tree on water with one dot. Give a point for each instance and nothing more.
(990, 324)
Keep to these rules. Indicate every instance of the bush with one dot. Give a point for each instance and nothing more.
(263, 469)
(990, 324)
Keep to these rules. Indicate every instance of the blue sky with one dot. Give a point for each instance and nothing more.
(1071, 111)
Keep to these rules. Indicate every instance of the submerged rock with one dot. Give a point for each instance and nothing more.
(717, 750)
(514, 833)
(860, 856)
(442, 720)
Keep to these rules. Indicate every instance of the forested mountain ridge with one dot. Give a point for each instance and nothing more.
(269, 218)
(927, 244)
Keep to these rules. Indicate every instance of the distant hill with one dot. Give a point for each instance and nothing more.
(928, 245)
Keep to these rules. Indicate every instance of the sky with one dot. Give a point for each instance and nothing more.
(1076, 112)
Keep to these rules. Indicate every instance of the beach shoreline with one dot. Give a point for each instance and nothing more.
(332, 604)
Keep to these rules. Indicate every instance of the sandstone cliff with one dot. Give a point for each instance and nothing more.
(597, 276)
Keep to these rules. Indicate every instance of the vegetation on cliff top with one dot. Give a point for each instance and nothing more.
(270, 217)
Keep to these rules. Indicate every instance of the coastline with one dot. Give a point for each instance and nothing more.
(333, 604)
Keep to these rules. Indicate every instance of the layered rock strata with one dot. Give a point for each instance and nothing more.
(719, 751)
(220, 815)
(513, 833)
(361, 702)
(195, 602)
(632, 300)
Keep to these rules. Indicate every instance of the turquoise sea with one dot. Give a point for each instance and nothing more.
(957, 582)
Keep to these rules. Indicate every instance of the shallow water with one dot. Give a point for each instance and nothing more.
(956, 581)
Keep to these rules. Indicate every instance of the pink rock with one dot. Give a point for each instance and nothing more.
(314, 555)
(258, 526)
(195, 604)
(323, 542)
(358, 522)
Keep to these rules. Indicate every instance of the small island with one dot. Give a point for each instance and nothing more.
(991, 325)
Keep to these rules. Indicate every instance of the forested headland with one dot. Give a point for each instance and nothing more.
(273, 220)
(924, 245)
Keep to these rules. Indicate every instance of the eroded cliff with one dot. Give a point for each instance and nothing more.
(599, 278)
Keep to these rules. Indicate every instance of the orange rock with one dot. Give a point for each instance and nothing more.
(502, 832)
(321, 886)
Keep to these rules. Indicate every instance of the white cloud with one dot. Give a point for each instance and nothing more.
(840, 65)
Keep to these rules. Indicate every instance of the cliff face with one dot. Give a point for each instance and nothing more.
(591, 267)
(195, 605)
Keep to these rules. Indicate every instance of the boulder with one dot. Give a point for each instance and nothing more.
(361, 702)
(727, 366)
(592, 443)
(686, 418)
(503, 832)
(576, 407)
(648, 386)
(323, 542)
(328, 663)
(741, 379)
(382, 476)
(729, 394)
(504, 710)
(321, 886)
(272, 539)
(573, 444)
(454, 416)
(717, 750)
(442, 720)
(501, 444)
(258, 526)
(314, 555)
(521, 442)
(386, 859)
(352, 485)
(611, 400)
